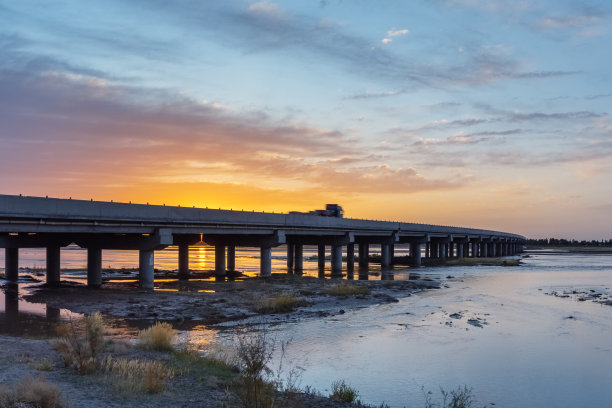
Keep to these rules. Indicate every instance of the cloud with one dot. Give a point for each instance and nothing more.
(394, 33)
(71, 128)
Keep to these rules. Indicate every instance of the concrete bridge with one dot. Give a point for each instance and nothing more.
(51, 223)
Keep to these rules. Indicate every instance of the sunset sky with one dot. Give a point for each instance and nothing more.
(489, 114)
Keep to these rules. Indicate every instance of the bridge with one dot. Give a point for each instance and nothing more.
(52, 223)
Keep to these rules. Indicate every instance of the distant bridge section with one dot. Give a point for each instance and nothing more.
(51, 223)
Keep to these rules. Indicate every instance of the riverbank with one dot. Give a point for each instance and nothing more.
(187, 303)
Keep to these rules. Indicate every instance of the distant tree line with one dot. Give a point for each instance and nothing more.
(561, 242)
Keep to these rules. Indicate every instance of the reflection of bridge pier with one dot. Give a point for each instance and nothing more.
(35, 222)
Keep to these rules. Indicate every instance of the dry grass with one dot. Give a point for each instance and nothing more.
(32, 392)
(80, 341)
(283, 303)
(140, 376)
(160, 336)
(341, 391)
(347, 289)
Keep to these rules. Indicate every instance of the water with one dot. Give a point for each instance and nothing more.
(533, 349)
(201, 258)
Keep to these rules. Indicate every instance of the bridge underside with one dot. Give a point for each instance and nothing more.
(35, 222)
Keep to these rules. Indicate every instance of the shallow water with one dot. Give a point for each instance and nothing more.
(533, 349)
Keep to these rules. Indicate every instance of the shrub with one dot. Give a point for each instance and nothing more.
(346, 289)
(159, 337)
(254, 354)
(461, 397)
(129, 376)
(37, 392)
(341, 391)
(80, 342)
(284, 303)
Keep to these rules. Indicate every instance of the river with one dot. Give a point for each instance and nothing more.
(526, 336)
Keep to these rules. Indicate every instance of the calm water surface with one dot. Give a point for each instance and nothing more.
(533, 349)
(528, 352)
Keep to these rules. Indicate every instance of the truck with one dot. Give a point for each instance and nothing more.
(331, 210)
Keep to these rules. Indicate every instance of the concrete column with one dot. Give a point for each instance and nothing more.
(415, 251)
(427, 250)
(220, 260)
(460, 252)
(442, 247)
(385, 259)
(350, 257)
(336, 259)
(265, 258)
(183, 261)
(321, 256)
(485, 252)
(391, 252)
(53, 266)
(11, 264)
(146, 263)
(299, 258)
(290, 253)
(94, 267)
(364, 255)
(231, 258)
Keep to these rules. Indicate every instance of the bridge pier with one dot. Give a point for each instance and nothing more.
(146, 266)
(364, 254)
(290, 253)
(231, 258)
(94, 267)
(321, 256)
(460, 251)
(11, 264)
(265, 268)
(336, 259)
(485, 252)
(53, 265)
(183, 261)
(219, 259)
(350, 257)
(299, 258)
(385, 258)
(415, 253)
(442, 247)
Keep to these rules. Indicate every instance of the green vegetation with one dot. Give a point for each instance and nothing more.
(160, 337)
(348, 289)
(31, 392)
(341, 391)
(214, 371)
(283, 303)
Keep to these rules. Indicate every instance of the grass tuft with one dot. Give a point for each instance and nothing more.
(461, 397)
(36, 392)
(341, 391)
(141, 376)
(158, 337)
(347, 289)
(283, 303)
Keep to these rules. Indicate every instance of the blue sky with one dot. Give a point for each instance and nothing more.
(489, 114)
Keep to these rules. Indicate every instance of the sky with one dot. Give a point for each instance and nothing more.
(486, 114)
